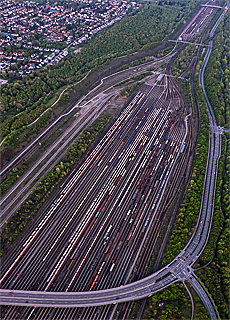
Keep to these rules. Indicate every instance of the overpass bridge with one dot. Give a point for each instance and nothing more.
(210, 6)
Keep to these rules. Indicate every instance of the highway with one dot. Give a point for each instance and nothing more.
(136, 153)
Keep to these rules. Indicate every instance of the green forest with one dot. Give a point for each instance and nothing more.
(168, 303)
(217, 75)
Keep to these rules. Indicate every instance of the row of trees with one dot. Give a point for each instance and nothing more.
(187, 90)
(18, 221)
(126, 92)
(13, 176)
(200, 310)
(164, 51)
(141, 76)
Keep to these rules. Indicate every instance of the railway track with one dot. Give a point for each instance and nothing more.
(102, 212)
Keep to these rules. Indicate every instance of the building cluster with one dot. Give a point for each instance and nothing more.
(34, 35)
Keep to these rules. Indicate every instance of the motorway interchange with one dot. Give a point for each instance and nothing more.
(103, 212)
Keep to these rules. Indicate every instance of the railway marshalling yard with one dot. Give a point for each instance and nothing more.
(95, 238)
(103, 225)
